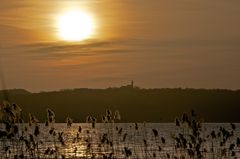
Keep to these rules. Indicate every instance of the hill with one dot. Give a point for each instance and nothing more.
(134, 104)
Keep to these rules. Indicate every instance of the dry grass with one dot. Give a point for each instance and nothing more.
(19, 139)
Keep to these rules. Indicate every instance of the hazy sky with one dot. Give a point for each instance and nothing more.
(156, 43)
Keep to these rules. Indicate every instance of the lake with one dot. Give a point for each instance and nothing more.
(124, 140)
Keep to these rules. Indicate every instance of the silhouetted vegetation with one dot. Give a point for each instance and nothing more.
(110, 140)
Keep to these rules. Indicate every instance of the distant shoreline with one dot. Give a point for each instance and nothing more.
(134, 103)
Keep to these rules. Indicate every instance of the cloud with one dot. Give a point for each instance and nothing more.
(61, 50)
(12, 5)
(131, 48)
(11, 35)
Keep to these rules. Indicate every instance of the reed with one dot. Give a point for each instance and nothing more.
(111, 139)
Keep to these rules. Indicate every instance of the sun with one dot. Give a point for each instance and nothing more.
(75, 26)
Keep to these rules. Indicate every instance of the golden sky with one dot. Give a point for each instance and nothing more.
(156, 43)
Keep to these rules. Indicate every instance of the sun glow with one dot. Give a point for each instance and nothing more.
(75, 26)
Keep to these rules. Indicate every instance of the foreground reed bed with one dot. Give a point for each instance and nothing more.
(110, 139)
